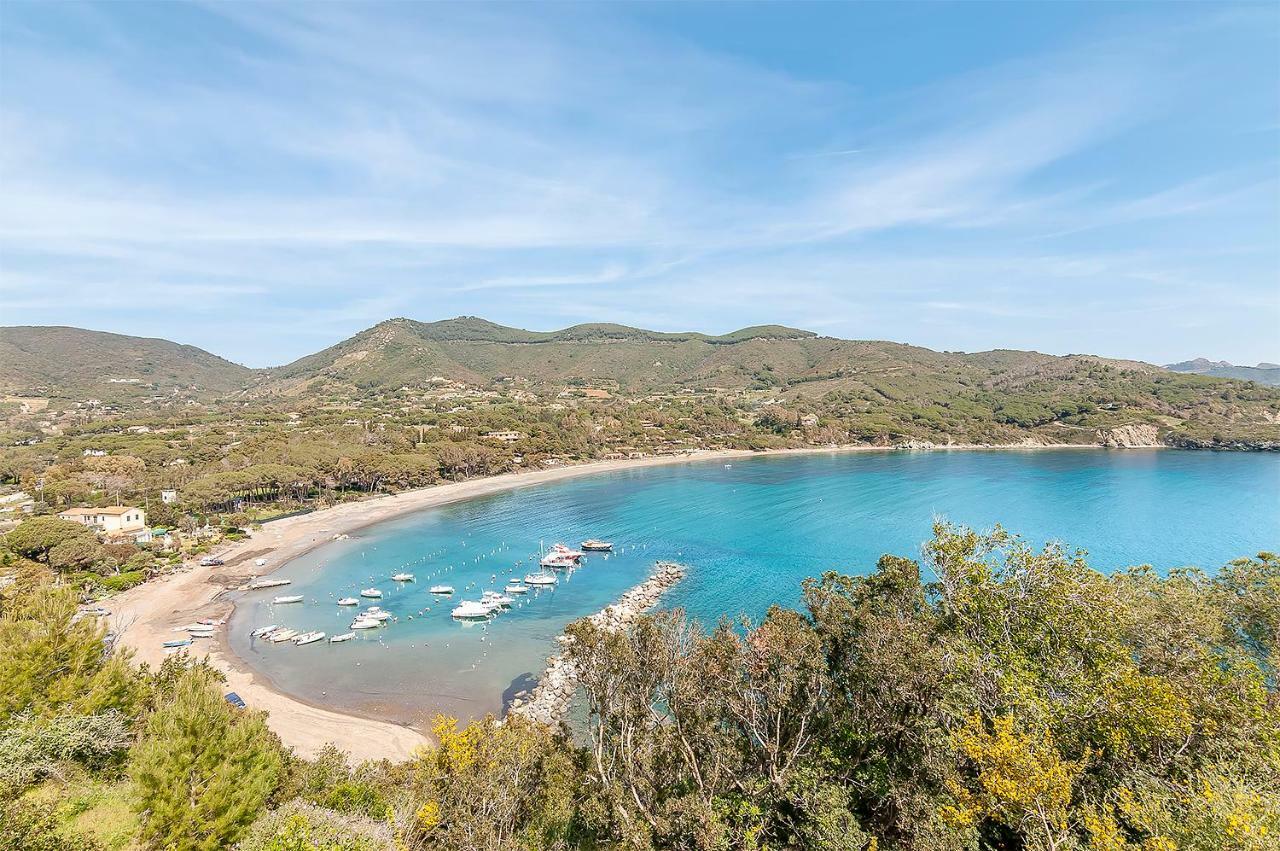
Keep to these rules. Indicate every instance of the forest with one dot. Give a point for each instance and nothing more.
(991, 695)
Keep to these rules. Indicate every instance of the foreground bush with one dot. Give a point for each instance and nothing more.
(32, 748)
(203, 769)
(301, 826)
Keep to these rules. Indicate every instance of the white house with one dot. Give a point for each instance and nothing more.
(111, 520)
(168, 497)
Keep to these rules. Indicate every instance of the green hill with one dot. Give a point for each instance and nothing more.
(73, 363)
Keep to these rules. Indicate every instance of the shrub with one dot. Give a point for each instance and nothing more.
(123, 581)
(203, 769)
(300, 826)
(32, 748)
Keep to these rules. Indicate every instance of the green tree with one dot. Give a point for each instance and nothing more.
(203, 769)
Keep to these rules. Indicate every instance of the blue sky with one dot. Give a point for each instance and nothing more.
(262, 180)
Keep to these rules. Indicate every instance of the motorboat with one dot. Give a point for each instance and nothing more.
(596, 546)
(349, 601)
(282, 635)
(259, 584)
(372, 593)
(539, 579)
(471, 610)
(441, 589)
(560, 556)
(292, 598)
(496, 599)
(263, 630)
(375, 614)
(515, 588)
(309, 638)
(182, 642)
(346, 636)
(404, 577)
(365, 623)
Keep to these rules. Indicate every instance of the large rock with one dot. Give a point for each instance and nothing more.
(1130, 436)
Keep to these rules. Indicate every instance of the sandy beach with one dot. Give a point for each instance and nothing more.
(146, 616)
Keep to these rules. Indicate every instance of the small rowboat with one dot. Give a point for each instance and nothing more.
(263, 630)
(292, 598)
(346, 636)
(179, 643)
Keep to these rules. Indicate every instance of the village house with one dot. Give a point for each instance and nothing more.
(507, 436)
(168, 496)
(111, 520)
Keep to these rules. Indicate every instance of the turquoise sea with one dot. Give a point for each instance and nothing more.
(750, 531)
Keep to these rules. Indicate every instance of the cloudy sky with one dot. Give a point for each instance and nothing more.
(262, 180)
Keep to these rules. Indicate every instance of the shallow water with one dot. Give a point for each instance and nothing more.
(750, 532)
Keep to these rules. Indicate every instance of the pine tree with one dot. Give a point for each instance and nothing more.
(204, 770)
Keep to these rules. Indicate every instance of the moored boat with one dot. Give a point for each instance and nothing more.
(309, 638)
(263, 630)
(365, 623)
(441, 589)
(282, 635)
(596, 546)
(292, 598)
(404, 577)
(471, 610)
(346, 636)
(349, 601)
(493, 598)
(539, 579)
(268, 583)
(372, 593)
(515, 588)
(182, 642)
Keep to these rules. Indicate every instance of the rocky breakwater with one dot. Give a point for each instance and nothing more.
(549, 700)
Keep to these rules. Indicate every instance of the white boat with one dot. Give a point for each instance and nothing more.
(346, 636)
(515, 588)
(268, 583)
(539, 579)
(282, 635)
(349, 601)
(441, 589)
(365, 623)
(595, 546)
(561, 556)
(404, 577)
(309, 638)
(263, 630)
(496, 599)
(292, 598)
(373, 593)
(471, 610)
(376, 615)
(181, 642)
(200, 630)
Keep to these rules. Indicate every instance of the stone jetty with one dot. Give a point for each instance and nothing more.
(549, 700)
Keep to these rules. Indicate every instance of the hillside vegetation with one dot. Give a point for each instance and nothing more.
(73, 363)
(771, 380)
(1020, 701)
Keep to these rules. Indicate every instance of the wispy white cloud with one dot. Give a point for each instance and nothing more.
(321, 165)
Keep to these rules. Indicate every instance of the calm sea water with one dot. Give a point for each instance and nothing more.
(750, 532)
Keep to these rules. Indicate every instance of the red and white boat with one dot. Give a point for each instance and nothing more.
(561, 556)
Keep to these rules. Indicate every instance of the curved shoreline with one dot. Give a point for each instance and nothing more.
(144, 617)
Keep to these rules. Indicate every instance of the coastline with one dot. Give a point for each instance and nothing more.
(145, 616)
